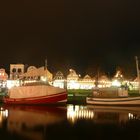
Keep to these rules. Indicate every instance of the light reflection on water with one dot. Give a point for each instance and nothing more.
(42, 122)
(31, 121)
(103, 114)
(78, 112)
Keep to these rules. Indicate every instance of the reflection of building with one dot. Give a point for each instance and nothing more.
(78, 112)
(59, 80)
(3, 115)
(102, 114)
(31, 121)
(16, 70)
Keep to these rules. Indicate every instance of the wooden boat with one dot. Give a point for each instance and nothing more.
(36, 94)
(113, 101)
(115, 96)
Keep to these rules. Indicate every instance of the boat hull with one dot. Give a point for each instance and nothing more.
(50, 99)
(113, 101)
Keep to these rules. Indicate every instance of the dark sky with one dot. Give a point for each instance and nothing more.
(82, 34)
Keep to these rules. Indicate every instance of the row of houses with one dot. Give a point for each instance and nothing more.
(19, 74)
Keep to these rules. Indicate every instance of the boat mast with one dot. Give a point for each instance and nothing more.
(138, 73)
(97, 79)
(45, 64)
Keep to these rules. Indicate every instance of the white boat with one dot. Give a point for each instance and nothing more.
(113, 101)
(112, 96)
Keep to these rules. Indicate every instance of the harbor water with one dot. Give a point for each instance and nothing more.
(69, 122)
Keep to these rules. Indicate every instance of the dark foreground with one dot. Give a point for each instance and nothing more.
(69, 122)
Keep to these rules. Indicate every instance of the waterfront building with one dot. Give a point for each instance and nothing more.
(3, 75)
(34, 74)
(59, 80)
(18, 75)
(118, 79)
(135, 84)
(16, 70)
(72, 80)
(13, 83)
(87, 82)
(104, 81)
(3, 78)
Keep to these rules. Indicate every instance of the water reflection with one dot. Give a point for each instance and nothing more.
(78, 112)
(31, 121)
(3, 115)
(68, 122)
(103, 114)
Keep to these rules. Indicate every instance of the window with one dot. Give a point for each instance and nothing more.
(14, 70)
(19, 70)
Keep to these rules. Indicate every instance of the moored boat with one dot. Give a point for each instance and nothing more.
(36, 94)
(113, 101)
(35, 88)
(114, 96)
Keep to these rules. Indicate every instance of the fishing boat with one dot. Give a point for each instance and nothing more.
(112, 96)
(37, 91)
(113, 101)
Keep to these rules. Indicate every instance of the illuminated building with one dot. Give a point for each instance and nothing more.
(87, 82)
(3, 78)
(103, 81)
(72, 80)
(59, 80)
(135, 84)
(16, 70)
(35, 74)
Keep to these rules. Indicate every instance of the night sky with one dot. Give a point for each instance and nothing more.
(86, 35)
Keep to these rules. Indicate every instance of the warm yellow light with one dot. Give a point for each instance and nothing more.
(76, 112)
(116, 83)
(44, 79)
